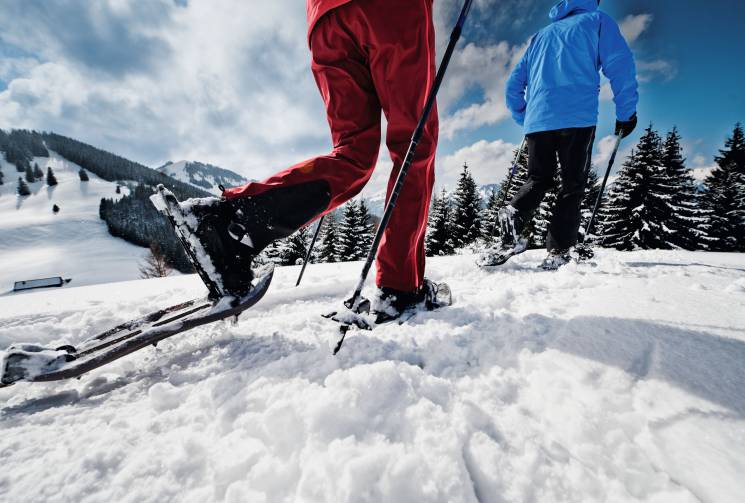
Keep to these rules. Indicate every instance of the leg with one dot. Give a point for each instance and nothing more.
(541, 172)
(401, 38)
(575, 156)
(304, 192)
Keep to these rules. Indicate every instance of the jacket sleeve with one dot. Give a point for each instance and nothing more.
(515, 90)
(617, 63)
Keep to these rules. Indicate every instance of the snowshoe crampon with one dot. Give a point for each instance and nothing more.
(357, 311)
(30, 362)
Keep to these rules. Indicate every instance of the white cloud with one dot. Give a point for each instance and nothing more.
(633, 26)
(228, 91)
(489, 162)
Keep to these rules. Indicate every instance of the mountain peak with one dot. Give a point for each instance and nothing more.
(205, 176)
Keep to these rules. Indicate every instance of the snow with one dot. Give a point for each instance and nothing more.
(615, 382)
(36, 243)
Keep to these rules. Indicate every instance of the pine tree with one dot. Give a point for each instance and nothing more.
(518, 180)
(327, 252)
(348, 234)
(83, 174)
(30, 178)
(1, 178)
(155, 264)
(638, 203)
(55, 209)
(724, 199)
(542, 217)
(22, 189)
(592, 190)
(466, 211)
(439, 240)
(38, 173)
(294, 248)
(490, 220)
(365, 226)
(685, 218)
(51, 180)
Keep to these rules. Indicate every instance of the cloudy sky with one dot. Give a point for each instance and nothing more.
(228, 81)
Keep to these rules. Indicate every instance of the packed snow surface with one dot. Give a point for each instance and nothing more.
(619, 381)
(74, 243)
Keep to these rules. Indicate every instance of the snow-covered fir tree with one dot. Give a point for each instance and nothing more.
(327, 251)
(30, 178)
(83, 174)
(465, 217)
(38, 173)
(638, 203)
(294, 249)
(724, 198)
(439, 239)
(685, 217)
(354, 233)
(592, 190)
(51, 179)
(366, 228)
(490, 219)
(541, 220)
(1, 177)
(22, 188)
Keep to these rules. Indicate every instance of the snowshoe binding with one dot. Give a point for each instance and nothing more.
(214, 241)
(512, 241)
(391, 305)
(556, 259)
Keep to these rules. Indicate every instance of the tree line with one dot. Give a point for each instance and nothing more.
(654, 203)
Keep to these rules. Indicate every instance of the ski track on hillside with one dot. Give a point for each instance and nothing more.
(616, 381)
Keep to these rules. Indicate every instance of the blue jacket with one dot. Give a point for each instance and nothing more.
(556, 84)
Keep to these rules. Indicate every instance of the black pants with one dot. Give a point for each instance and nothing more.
(573, 148)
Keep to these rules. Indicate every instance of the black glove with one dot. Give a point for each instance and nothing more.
(625, 128)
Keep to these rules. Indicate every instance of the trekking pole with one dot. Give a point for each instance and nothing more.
(354, 302)
(310, 251)
(513, 171)
(602, 187)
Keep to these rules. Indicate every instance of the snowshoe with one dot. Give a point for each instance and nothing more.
(30, 362)
(555, 260)
(512, 241)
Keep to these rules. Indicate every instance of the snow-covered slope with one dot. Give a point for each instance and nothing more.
(204, 176)
(36, 243)
(619, 382)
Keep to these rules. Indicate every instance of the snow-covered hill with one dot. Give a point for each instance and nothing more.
(623, 381)
(203, 176)
(36, 243)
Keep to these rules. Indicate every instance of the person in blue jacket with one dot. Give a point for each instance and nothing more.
(553, 93)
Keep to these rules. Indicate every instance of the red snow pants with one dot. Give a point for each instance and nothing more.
(370, 56)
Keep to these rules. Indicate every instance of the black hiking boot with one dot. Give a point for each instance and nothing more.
(391, 304)
(511, 243)
(232, 232)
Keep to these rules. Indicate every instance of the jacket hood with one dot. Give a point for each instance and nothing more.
(566, 8)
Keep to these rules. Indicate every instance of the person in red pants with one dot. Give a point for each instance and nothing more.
(368, 57)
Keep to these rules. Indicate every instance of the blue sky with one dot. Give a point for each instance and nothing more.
(701, 85)
(228, 82)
